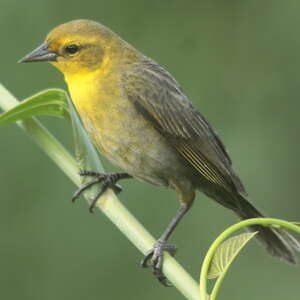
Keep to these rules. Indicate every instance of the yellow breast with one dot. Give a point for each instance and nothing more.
(106, 114)
(118, 130)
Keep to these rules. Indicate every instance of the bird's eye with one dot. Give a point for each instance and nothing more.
(72, 49)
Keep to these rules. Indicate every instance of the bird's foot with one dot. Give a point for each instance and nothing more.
(154, 258)
(107, 180)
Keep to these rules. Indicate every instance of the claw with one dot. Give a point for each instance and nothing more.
(83, 188)
(117, 188)
(156, 255)
(107, 180)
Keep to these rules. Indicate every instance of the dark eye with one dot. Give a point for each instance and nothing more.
(72, 49)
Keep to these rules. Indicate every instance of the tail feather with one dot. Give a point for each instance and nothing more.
(278, 242)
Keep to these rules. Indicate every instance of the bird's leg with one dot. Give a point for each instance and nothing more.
(107, 180)
(155, 255)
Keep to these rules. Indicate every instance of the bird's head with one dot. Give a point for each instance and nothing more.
(77, 47)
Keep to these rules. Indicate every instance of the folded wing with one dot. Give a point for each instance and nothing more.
(157, 95)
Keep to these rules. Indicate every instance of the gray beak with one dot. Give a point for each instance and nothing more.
(41, 53)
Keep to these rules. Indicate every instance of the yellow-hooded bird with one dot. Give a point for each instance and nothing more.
(138, 116)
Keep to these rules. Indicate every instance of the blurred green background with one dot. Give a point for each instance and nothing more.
(239, 63)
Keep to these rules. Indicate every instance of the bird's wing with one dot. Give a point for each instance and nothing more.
(157, 95)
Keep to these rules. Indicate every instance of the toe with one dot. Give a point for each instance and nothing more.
(145, 261)
(117, 188)
(155, 258)
(171, 249)
(162, 278)
(159, 262)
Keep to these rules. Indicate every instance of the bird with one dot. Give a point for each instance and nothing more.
(138, 116)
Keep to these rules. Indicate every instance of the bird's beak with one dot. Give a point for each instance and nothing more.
(41, 53)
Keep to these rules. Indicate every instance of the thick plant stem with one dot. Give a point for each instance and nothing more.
(108, 203)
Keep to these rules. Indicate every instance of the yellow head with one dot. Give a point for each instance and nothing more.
(80, 46)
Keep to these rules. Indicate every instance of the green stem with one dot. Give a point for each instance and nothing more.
(108, 203)
(223, 236)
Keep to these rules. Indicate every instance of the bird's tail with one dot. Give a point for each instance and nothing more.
(278, 242)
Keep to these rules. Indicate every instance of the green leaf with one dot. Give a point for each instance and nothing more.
(49, 102)
(226, 253)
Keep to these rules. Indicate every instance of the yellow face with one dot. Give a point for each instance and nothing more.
(80, 46)
(76, 54)
(76, 47)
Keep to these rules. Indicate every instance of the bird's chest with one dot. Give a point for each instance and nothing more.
(114, 130)
(115, 127)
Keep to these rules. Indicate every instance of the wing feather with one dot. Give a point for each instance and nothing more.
(157, 95)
